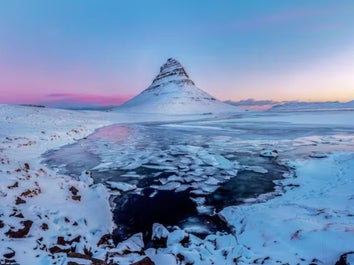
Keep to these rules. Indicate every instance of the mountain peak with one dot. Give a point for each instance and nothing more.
(171, 71)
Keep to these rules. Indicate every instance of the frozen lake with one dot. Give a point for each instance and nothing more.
(183, 173)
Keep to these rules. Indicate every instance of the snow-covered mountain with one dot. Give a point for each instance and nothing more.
(173, 92)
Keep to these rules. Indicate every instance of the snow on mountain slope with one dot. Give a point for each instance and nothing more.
(173, 92)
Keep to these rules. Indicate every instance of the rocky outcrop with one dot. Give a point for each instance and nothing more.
(171, 72)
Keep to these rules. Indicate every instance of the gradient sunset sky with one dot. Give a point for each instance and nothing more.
(108, 51)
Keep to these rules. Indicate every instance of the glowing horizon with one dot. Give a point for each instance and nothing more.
(105, 53)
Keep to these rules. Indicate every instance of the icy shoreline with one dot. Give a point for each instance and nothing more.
(43, 213)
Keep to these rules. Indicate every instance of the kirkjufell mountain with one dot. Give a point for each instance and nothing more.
(173, 92)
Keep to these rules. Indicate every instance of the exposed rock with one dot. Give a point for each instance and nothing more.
(73, 190)
(56, 249)
(144, 261)
(31, 193)
(106, 241)
(21, 233)
(9, 254)
(63, 242)
(76, 197)
(19, 201)
(44, 227)
(27, 167)
(343, 260)
(85, 257)
(172, 70)
(15, 185)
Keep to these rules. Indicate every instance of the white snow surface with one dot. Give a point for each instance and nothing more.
(311, 222)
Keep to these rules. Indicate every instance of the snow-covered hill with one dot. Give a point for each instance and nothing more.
(305, 106)
(173, 92)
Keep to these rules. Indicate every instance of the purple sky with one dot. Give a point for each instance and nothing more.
(82, 52)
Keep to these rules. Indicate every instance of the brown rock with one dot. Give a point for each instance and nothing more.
(74, 190)
(61, 241)
(144, 261)
(44, 226)
(27, 167)
(83, 256)
(10, 254)
(19, 201)
(21, 233)
(57, 249)
(106, 240)
(15, 185)
(31, 193)
(73, 263)
(76, 197)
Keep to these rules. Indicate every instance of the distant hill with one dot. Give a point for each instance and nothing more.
(304, 106)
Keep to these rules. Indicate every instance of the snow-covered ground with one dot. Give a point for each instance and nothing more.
(312, 222)
(44, 214)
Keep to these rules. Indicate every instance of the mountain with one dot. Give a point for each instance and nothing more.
(305, 106)
(173, 92)
(253, 104)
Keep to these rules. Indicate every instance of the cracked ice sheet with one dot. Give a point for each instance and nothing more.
(315, 220)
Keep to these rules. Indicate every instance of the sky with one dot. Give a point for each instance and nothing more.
(105, 52)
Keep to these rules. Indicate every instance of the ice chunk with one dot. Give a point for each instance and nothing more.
(159, 167)
(269, 153)
(175, 178)
(257, 169)
(199, 200)
(212, 181)
(103, 166)
(176, 237)
(159, 231)
(86, 177)
(168, 186)
(133, 244)
(215, 160)
(162, 259)
(196, 229)
(121, 186)
(318, 155)
(182, 188)
(202, 209)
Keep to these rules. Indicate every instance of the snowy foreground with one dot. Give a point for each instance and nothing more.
(48, 218)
